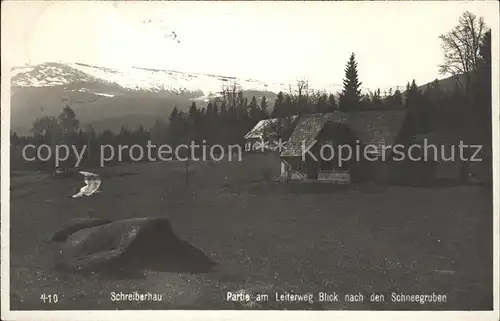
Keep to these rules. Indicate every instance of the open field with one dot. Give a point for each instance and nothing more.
(262, 235)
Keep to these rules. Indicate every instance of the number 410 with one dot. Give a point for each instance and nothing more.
(49, 298)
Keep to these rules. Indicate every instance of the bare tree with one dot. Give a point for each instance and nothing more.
(461, 49)
(301, 94)
(231, 94)
(315, 95)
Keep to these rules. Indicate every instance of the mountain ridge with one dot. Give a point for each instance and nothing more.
(101, 96)
(133, 78)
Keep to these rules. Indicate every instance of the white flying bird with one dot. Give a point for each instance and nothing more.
(92, 184)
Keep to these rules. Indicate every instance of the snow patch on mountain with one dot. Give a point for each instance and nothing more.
(85, 90)
(135, 79)
(18, 70)
(48, 74)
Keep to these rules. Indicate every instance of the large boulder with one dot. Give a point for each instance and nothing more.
(139, 243)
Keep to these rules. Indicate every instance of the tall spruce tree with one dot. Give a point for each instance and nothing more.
(350, 97)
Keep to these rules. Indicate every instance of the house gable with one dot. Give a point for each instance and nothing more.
(378, 128)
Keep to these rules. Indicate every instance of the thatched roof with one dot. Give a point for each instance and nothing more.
(306, 130)
(265, 128)
(379, 127)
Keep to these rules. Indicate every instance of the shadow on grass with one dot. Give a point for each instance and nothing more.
(185, 258)
(177, 256)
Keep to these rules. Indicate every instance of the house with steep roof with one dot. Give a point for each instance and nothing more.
(314, 152)
(363, 146)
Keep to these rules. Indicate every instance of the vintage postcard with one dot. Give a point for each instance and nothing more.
(277, 159)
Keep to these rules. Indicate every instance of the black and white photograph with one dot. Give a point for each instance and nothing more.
(250, 156)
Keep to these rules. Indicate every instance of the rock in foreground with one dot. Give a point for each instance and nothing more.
(139, 243)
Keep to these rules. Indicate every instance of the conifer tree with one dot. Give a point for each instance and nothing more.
(397, 99)
(67, 120)
(322, 104)
(376, 99)
(215, 109)
(332, 103)
(254, 109)
(263, 108)
(174, 114)
(351, 94)
(278, 105)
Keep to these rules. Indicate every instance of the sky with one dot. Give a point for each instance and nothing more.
(394, 42)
